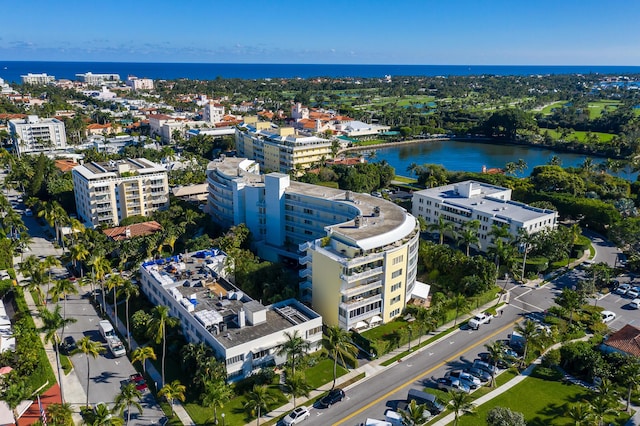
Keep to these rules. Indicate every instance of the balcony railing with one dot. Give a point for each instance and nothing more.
(305, 260)
(358, 303)
(362, 275)
(362, 288)
(305, 273)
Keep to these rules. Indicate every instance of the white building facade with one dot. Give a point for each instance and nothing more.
(98, 79)
(360, 252)
(489, 204)
(35, 134)
(243, 333)
(37, 78)
(106, 193)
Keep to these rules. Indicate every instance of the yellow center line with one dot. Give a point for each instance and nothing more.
(420, 376)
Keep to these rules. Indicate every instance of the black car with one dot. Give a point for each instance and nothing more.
(334, 395)
(68, 345)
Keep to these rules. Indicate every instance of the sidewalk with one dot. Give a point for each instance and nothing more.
(376, 366)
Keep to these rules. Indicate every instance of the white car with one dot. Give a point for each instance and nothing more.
(296, 416)
(634, 304)
(633, 293)
(608, 316)
(28, 212)
(622, 289)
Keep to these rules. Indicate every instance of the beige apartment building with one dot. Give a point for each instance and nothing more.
(108, 192)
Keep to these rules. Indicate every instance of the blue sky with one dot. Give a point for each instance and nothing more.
(421, 32)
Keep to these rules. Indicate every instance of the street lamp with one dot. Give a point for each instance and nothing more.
(222, 415)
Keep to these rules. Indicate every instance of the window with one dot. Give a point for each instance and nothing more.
(314, 331)
(395, 313)
(398, 259)
(396, 287)
(396, 274)
(395, 300)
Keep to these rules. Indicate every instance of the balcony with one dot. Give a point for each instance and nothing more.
(305, 273)
(304, 246)
(306, 285)
(305, 260)
(360, 302)
(350, 322)
(361, 275)
(362, 288)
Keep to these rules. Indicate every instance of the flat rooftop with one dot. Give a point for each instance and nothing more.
(115, 168)
(196, 278)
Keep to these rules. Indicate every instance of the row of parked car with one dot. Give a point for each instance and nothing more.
(630, 292)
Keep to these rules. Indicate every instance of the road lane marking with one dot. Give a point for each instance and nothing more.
(425, 373)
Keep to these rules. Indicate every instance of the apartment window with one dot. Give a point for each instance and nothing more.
(395, 312)
(396, 287)
(314, 331)
(307, 211)
(235, 359)
(396, 274)
(395, 300)
(398, 259)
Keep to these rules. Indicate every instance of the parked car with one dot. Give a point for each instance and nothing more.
(448, 384)
(334, 395)
(484, 376)
(502, 363)
(28, 212)
(634, 304)
(296, 416)
(68, 345)
(468, 379)
(140, 382)
(622, 289)
(478, 363)
(633, 293)
(608, 316)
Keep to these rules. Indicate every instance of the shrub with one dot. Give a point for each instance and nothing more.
(536, 264)
(551, 358)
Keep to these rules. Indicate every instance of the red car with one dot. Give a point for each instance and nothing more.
(138, 379)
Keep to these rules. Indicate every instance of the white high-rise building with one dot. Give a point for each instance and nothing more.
(212, 112)
(98, 79)
(106, 193)
(35, 134)
(37, 78)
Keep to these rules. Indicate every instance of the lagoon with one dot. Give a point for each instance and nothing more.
(469, 156)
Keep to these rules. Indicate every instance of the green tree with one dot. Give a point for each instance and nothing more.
(570, 301)
(601, 406)
(442, 227)
(128, 396)
(92, 349)
(52, 321)
(114, 283)
(468, 235)
(160, 320)
(415, 414)
(258, 400)
(60, 414)
(502, 416)
(294, 346)
(129, 289)
(171, 392)
(338, 344)
(142, 354)
(531, 334)
(60, 290)
(14, 394)
(297, 386)
(580, 414)
(216, 394)
(631, 375)
(496, 356)
(460, 403)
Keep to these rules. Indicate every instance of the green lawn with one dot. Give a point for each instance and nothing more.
(547, 110)
(377, 332)
(580, 135)
(322, 372)
(596, 108)
(542, 401)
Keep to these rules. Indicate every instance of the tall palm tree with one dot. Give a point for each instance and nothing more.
(631, 374)
(100, 267)
(338, 344)
(297, 386)
(60, 290)
(570, 301)
(52, 321)
(460, 403)
(496, 356)
(92, 349)
(129, 289)
(49, 263)
(294, 346)
(114, 283)
(14, 394)
(216, 394)
(442, 226)
(103, 416)
(468, 235)
(415, 414)
(142, 354)
(530, 333)
(257, 400)
(128, 396)
(79, 253)
(160, 320)
(172, 391)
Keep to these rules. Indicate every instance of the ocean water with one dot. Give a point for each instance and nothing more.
(11, 71)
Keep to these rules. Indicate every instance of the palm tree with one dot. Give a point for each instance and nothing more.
(442, 226)
(14, 394)
(92, 349)
(100, 266)
(79, 254)
(60, 290)
(496, 356)
(296, 385)
(530, 333)
(579, 414)
(127, 397)
(216, 394)
(52, 321)
(114, 283)
(468, 235)
(60, 414)
(460, 402)
(160, 320)
(461, 303)
(600, 406)
(257, 400)
(172, 391)
(631, 374)
(570, 301)
(49, 263)
(129, 289)
(295, 345)
(141, 354)
(338, 344)
(415, 414)
(103, 416)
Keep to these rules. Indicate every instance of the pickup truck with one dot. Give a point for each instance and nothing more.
(479, 319)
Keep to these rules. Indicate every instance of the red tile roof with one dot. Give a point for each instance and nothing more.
(627, 340)
(65, 165)
(136, 230)
(32, 415)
